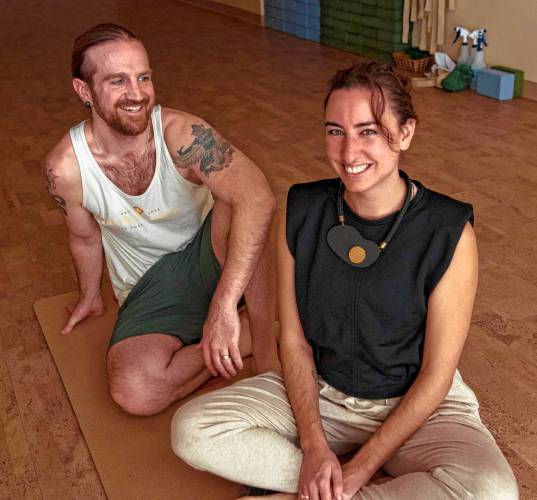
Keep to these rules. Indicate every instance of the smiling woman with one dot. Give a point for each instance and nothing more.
(369, 121)
(377, 279)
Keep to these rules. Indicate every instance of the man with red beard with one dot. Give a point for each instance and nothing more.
(183, 219)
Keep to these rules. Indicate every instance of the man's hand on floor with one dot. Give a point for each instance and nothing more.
(81, 310)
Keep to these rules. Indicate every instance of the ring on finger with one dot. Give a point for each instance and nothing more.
(225, 356)
(304, 497)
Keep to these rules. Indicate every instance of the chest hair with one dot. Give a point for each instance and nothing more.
(131, 173)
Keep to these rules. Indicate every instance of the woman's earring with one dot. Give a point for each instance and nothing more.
(87, 104)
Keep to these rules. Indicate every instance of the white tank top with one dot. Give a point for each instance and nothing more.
(138, 230)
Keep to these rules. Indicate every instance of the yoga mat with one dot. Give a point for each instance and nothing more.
(132, 454)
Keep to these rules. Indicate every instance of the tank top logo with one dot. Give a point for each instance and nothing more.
(136, 217)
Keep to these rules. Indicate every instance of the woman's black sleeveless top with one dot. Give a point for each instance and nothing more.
(367, 326)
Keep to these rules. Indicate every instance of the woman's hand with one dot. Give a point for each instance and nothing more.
(354, 479)
(320, 475)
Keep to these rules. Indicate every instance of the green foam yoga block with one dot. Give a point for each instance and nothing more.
(519, 79)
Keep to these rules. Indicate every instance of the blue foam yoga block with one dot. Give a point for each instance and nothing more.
(497, 84)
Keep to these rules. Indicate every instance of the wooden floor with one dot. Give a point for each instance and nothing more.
(263, 90)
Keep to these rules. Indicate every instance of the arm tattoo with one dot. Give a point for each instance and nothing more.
(50, 178)
(212, 152)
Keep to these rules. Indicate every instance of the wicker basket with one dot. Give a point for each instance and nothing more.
(408, 64)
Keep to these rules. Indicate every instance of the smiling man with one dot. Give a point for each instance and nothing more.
(183, 219)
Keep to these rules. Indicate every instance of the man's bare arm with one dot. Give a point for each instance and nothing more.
(235, 180)
(64, 186)
(50, 181)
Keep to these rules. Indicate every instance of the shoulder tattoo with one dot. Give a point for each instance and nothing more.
(50, 180)
(208, 149)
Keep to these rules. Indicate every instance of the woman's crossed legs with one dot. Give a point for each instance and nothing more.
(246, 433)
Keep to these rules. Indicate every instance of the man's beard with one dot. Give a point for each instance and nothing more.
(121, 122)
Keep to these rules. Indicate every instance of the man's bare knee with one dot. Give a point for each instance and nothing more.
(137, 390)
(148, 372)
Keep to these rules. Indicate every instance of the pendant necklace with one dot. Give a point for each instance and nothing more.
(347, 242)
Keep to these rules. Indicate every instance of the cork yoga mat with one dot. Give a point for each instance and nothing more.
(132, 454)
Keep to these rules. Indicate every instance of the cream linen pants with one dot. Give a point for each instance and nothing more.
(246, 433)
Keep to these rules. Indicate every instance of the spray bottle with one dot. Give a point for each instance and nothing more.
(464, 57)
(478, 58)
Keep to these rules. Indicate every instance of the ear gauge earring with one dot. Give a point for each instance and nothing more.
(87, 104)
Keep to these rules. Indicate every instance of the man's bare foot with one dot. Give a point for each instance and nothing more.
(266, 362)
(265, 351)
(245, 340)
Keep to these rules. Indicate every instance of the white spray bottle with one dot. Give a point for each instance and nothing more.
(478, 56)
(464, 56)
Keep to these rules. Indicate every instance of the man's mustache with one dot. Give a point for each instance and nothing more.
(128, 102)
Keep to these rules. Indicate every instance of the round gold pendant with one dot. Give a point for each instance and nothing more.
(357, 254)
(139, 210)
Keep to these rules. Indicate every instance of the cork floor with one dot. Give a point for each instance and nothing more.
(263, 90)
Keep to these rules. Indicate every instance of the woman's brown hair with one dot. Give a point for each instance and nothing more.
(385, 86)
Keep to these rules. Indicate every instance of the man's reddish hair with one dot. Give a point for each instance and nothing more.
(101, 33)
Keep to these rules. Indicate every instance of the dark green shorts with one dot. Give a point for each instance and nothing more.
(173, 296)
